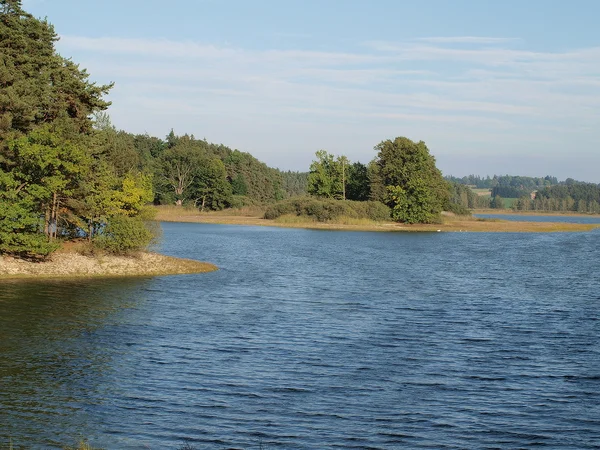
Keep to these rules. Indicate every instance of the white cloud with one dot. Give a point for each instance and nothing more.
(493, 96)
(467, 40)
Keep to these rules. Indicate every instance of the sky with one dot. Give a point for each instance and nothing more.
(492, 87)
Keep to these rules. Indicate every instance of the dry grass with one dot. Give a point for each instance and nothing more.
(171, 213)
(69, 264)
(450, 223)
(496, 225)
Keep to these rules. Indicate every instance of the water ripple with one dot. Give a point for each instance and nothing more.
(309, 339)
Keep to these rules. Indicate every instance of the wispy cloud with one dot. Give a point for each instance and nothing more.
(438, 88)
(466, 40)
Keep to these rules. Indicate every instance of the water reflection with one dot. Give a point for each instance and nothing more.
(306, 339)
(47, 357)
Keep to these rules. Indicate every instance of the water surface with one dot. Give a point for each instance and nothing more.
(315, 340)
(533, 218)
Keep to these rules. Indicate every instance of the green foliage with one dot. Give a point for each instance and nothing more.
(177, 169)
(294, 184)
(325, 178)
(211, 189)
(238, 185)
(38, 173)
(497, 203)
(519, 182)
(20, 231)
(416, 190)
(45, 106)
(323, 210)
(124, 234)
(413, 203)
(248, 176)
(457, 209)
(240, 201)
(461, 195)
(188, 172)
(461, 199)
(39, 85)
(358, 186)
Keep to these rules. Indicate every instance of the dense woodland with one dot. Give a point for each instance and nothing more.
(504, 181)
(534, 194)
(67, 172)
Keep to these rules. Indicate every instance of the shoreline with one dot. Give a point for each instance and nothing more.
(65, 265)
(510, 212)
(450, 223)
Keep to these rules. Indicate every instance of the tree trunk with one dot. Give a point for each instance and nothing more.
(47, 222)
(52, 217)
(56, 218)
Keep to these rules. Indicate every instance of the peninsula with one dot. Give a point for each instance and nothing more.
(70, 264)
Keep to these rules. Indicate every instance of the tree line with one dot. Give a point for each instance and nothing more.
(505, 181)
(193, 172)
(67, 172)
(402, 176)
(574, 197)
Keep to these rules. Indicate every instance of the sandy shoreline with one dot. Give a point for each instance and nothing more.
(71, 264)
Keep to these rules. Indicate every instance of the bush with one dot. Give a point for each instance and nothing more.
(242, 201)
(26, 245)
(123, 235)
(457, 209)
(324, 210)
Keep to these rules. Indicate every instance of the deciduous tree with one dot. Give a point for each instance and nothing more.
(416, 190)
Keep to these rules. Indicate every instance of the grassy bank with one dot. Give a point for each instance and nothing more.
(253, 216)
(70, 264)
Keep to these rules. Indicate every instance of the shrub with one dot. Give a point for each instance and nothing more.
(123, 235)
(324, 210)
(243, 201)
(457, 209)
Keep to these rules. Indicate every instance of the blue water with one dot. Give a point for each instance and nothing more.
(315, 340)
(531, 218)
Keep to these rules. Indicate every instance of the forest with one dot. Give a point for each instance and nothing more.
(545, 194)
(67, 173)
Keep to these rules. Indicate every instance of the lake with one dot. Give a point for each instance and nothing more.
(533, 218)
(314, 340)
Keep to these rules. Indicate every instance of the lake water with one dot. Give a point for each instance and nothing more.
(314, 340)
(533, 218)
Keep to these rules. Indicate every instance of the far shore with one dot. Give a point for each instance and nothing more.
(450, 223)
(534, 213)
(70, 264)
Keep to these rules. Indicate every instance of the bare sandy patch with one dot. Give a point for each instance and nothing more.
(71, 264)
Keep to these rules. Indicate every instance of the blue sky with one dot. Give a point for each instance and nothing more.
(492, 87)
